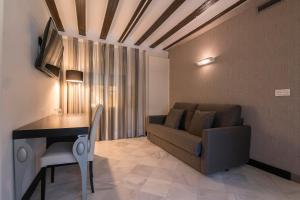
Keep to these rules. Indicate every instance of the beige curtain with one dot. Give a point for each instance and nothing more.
(113, 76)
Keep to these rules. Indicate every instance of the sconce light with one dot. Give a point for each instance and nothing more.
(74, 76)
(205, 61)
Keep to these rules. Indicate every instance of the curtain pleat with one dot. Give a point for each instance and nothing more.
(114, 76)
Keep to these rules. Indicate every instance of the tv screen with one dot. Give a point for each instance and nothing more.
(51, 49)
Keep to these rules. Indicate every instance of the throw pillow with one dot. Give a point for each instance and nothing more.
(201, 120)
(173, 118)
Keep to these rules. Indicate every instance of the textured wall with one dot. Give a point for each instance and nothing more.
(26, 93)
(158, 85)
(256, 53)
(1, 66)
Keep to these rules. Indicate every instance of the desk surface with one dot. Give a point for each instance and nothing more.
(55, 126)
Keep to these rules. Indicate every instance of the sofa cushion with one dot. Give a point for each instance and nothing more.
(173, 118)
(189, 109)
(179, 138)
(226, 115)
(201, 120)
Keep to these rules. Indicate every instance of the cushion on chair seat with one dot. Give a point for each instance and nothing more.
(58, 153)
(179, 138)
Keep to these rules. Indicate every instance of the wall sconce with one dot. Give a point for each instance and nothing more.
(74, 76)
(206, 61)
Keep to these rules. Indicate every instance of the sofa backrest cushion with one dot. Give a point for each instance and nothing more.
(201, 120)
(226, 114)
(189, 109)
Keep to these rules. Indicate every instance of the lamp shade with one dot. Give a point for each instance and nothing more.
(74, 76)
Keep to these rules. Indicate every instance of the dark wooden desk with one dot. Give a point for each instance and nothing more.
(30, 143)
(55, 126)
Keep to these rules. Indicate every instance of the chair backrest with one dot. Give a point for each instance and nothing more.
(93, 130)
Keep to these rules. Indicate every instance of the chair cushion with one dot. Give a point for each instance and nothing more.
(189, 109)
(173, 118)
(179, 138)
(201, 120)
(58, 153)
(226, 115)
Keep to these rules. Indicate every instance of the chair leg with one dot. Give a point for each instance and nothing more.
(43, 184)
(52, 174)
(91, 176)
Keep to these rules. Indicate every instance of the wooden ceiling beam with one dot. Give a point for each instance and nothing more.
(201, 9)
(139, 11)
(206, 23)
(109, 16)
(166, 14)
(81, 16)
(54, 13)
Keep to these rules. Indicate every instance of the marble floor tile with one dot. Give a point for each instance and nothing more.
(208, 194)
(136, 169)
(163, 174)
(142, 170)
(156, 186)
(179, 192)
(147, 196)
(134, 181)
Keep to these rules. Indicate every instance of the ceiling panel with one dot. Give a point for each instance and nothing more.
(122, 17)
(155, 9)
(95, 13)
(184, 10)
(207, 15)
(67, 13)
(95, 17)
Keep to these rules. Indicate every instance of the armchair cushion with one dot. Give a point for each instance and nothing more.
(58, 153)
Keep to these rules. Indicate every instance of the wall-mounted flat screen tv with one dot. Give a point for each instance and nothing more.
(51, 49)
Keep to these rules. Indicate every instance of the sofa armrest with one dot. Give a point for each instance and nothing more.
(157, 119)
(224, 148)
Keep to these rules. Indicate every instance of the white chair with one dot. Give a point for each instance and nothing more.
(63, 153)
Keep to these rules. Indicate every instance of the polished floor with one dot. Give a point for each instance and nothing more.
(132, 169)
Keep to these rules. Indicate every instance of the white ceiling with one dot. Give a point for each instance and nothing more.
(96, 11)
